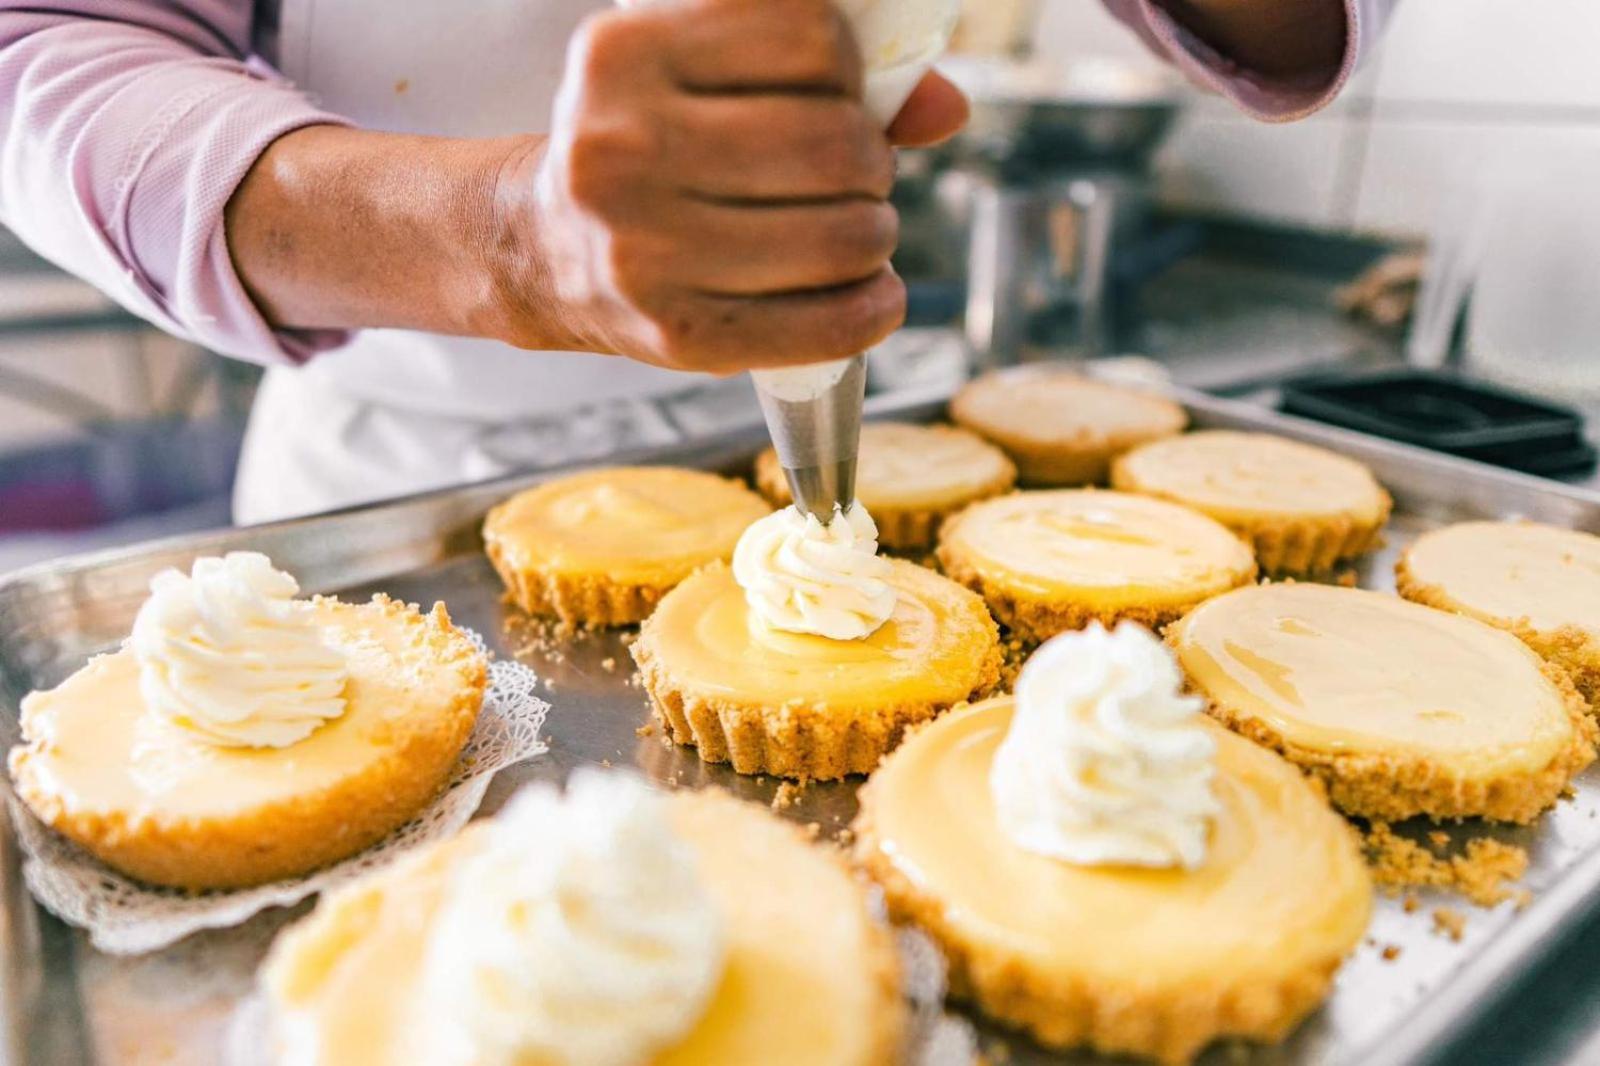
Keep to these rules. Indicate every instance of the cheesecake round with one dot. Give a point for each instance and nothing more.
(154, 801)
(1120, 959)
(809, 978)
(1051, 561)
(1399, 709)
(1304, 509)
(1539, 582)
(911, 478)
(602, 547)
(805, 706)
(1060, 428)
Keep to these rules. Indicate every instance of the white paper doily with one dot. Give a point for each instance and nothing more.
(124, 917)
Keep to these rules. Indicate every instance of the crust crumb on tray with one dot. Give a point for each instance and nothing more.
(1449, 922)
(1481, 873)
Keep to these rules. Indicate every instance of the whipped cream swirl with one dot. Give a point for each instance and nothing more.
(229, 656)
(581, 934)
(1106, 762)
(801, 576)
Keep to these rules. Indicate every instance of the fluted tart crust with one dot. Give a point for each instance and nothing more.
(600, 548)
(803, 706)
(1304, 509)
(1399, 709)
(168, 809)
(1048, 562)
(1121, 960)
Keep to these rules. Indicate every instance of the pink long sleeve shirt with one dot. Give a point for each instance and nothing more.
(125, 126)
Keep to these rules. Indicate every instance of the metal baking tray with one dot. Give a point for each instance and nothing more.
(64, 1003)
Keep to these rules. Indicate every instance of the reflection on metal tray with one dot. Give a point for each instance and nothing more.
(68, 1003)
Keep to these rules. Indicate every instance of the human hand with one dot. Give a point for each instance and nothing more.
(713, 195)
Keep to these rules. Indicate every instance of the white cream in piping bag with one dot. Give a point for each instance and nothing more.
(801, 576)
(580, 934)
(1106, 761)
(229, 656)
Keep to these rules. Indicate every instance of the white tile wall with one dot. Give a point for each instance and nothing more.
(1455, 86)
(1494, 53)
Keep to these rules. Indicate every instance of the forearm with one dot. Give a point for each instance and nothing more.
(1292, 39)
(337, 228)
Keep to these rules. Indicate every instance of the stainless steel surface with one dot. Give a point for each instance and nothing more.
(170, 1008)
(817, 434)
(20, 977)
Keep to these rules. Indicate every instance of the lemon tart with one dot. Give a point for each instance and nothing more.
(1400, 709)
(711, 934)
(1540, 582)
(1062, 429)
(1303, 508)
(602, 547)
(806, 706)
(1124, 959)
(154, 774)
(911, 478)
(1056, 560)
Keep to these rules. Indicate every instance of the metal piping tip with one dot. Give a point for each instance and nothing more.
(822, 490)
(814, 416)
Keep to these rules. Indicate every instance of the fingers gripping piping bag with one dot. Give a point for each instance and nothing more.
(814, 412)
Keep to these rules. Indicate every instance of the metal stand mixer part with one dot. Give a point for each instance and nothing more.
(816, 436)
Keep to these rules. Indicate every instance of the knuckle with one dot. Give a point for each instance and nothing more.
(861, 237)
(602, 162)
(604, 43)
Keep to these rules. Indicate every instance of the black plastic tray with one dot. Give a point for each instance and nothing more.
(1449, 413)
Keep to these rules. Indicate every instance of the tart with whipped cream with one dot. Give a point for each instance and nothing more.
(1400, 709)
(602, 547)
(1047, 562)
(812, 655)
(1304, 509)
(1062, 429)
(1539, 582)
(911, 478)
(612, 925)
(1104, 867)
(242, 735)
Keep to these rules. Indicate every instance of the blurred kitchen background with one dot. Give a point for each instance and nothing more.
(1100, 207)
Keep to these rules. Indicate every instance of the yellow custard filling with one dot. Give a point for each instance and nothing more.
(102, 753)
(1506, 572)
(1102, 548)
(629, 523)
(1282, 884)
(807, 979)
(1243, 476)
(1344, 670)
(931, 648)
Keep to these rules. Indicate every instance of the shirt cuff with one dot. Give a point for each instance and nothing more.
(1268, 99)
(184, 167)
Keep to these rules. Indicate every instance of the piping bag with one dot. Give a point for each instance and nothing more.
(814, 412)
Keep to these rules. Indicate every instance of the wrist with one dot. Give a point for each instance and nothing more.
(515, 298)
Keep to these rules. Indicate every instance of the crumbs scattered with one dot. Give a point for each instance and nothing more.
(788, 794)
(646, 730)
(1346, 579)
(1390, 952)
(1449, 922)
(1410, 903)
(609, 664)
(1014, 652)
(1480, 873)
(845, 837)
(813, 830)
(606, 763)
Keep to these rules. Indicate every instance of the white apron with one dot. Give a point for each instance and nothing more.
(397, 412)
